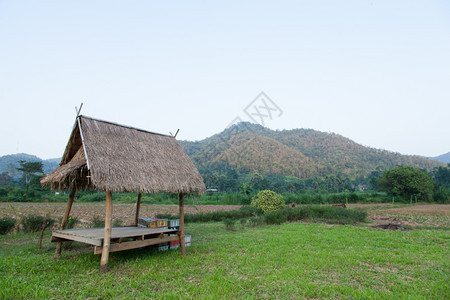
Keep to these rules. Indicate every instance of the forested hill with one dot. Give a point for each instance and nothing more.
(302, 153)
(251, 148)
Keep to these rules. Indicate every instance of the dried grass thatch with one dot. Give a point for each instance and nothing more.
(108, 156)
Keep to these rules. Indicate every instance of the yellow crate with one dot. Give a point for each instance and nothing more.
(161, 222)
(153, 223)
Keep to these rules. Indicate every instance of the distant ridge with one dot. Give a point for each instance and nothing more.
(9, 163)
(300, 153)
(444, 158)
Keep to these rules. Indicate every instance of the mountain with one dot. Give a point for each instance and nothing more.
(252, 148)
(9, 163)
(302, 153)
(445, 158)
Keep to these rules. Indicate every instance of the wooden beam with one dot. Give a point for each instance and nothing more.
(181, 232)
(107, 239)
(138, 205)
(137, 244)
(57, 236)
(65, 219)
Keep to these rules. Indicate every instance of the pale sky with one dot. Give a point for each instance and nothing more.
(377, 72)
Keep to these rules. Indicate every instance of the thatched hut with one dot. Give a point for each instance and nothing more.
(116, 158)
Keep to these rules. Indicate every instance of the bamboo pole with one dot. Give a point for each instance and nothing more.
(138, 205)
(107, 238)
(181, 232)
(65, 219)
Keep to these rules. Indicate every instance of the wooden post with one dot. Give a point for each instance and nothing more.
(65, 219)
(107, 238)
(181, 232)
(138, 205)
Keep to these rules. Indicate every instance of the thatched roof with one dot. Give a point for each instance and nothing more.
(108, 156)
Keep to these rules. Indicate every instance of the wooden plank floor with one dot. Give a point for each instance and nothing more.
(94, 236)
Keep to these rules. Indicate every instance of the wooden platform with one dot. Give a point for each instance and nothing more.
(120, 237)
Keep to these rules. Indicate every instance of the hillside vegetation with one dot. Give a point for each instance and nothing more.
(302, 153)
(247, 158)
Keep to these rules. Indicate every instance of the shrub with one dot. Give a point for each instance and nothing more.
(255, 221)
(6, 225)
(97, 222)
(248, 211)
(117, 223)
(354, 198)
(268, 201)
(335, 214)
(276, 216)
(33, 223)
(95, 197)
(166, 216)
(3, 192)
(243, 212)
(71, 222)
(246, 200)
(329, 214)
(256, 217)
(229, 224)
(243, 222)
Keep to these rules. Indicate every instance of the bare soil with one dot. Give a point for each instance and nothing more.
(418, 215)
(85, 212)
(418, 209)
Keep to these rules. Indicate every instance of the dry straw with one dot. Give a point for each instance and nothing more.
(123, 159)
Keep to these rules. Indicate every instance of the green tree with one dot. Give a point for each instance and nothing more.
(246, 188)
(373, 179)
(406, 181)
(232, 183)
(30, 168)
(441, 176)
(259, 182)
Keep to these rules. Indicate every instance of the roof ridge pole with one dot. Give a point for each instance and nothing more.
(181, 231)
(107, 238)
(82, 142)
(65, 219)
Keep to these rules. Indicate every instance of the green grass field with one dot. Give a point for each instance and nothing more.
(296, 260)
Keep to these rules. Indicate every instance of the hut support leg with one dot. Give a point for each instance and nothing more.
(107, 238)
(138, 205)
(65, 219)
(181, 233)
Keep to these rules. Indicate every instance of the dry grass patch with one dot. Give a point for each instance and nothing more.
(418, 209)
(85, 212)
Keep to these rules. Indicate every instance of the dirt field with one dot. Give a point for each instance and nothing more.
(421, 214)
(419, 209)
(85, 212)
(416, 215)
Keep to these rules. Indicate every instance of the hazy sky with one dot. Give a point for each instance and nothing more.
(377, 72)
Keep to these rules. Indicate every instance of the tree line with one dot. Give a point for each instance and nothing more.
(403, 181)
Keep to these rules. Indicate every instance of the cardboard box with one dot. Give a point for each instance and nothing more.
(187, 240)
